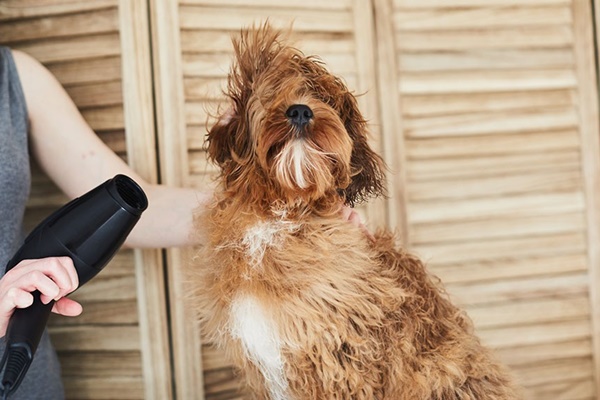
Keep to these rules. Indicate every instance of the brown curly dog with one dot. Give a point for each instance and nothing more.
(306, 304)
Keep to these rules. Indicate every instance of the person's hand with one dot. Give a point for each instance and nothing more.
(53, 277)
(353, 217)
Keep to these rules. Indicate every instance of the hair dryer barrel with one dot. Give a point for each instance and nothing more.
(89, 230)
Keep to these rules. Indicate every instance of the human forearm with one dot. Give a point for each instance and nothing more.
(168, 221)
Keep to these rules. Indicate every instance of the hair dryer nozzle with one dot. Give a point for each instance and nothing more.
(130, 194)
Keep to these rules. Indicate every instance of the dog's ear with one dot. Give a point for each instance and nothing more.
(368, 178)
(223, 138)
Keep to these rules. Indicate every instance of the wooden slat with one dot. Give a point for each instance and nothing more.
(214, 358)
(102, 288)
(482, 17)
(541, 354)
(76, 48)
(486, 60)
(507, 206)
(492, 228)
(105, 118)
(115, 140)
(241, 4)
(304, 19)
(493, 165)
(486, 123)
(537, 334)
(220, 380)
(441, 104)
(207, 89)
(578, 389)
(19, 9)
(203, 41)
(217, 65)
(204, 65)
(521, 37)
(87, 70)
(509, 267)
(486, 81)
(120, 265)
(560, 371)
(97, 94)
(472, 3)
(536, 311)
(126, 388)
(506, 249)
(567, 180)
(71, 25)
(100, 364)
(113, 312)
(566, 285)
(91, 338)
(499, 144)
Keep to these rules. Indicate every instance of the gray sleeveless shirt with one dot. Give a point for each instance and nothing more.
(43, 380)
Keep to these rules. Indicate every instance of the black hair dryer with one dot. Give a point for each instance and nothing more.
(89, 230)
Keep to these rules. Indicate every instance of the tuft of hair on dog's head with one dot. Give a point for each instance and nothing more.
(292, 127)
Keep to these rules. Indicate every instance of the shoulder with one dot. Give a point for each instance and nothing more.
(37, 82)
(27, 66)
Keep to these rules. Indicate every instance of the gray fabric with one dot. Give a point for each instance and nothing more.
(43, 380)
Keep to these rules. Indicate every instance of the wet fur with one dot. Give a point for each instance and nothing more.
(302, 301)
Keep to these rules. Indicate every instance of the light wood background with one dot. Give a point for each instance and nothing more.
(485, 110)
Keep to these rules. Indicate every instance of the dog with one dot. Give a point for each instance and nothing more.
(305, 303)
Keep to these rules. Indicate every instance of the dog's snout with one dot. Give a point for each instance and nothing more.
(299, 114)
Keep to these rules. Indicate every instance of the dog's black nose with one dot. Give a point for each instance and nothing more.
(299, 114)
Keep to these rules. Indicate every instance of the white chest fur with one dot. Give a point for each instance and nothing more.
(263, 235)
(257, 332)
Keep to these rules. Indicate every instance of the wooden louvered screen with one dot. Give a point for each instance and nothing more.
(117, 349)
(485, 110)
(494, 109)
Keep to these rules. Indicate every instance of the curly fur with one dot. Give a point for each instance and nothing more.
(303, 302)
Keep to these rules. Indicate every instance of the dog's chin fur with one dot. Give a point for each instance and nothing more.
(302, 301)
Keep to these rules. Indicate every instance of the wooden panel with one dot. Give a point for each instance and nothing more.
(499, 168)
(81, 43)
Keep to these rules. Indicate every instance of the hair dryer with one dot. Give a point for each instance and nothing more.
(89, 230)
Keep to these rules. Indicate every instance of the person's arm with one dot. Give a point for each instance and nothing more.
(71, 154)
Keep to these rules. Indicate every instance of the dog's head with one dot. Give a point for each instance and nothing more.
(293, 128)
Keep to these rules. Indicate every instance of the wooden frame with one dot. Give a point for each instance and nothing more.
(590, 132)
(171, 131)
(369, 99)
(391, 118)
(139, 119)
